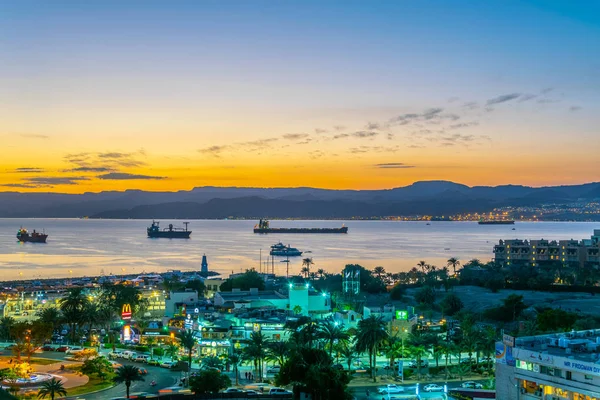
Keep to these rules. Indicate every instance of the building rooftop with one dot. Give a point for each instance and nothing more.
(578, 345)
(252, 295)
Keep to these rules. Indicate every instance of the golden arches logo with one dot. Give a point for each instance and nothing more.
(126, 311)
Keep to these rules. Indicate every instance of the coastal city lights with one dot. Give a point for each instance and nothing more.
(299, 200)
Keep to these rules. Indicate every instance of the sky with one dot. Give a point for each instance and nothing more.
(112, 95)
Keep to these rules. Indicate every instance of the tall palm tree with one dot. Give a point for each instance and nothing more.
(448, 348)
(128, 374)
(423, 265)
(394, 348)
(453, 262)
(370, 336)
(303, 331)
(52, 388)
(188, 341)
(379, 272)
(142, 324)
(417, 348)
(73, 307)
(331, 332)
(256, 352)
(306, 263)
(321, 273)
(234, 360)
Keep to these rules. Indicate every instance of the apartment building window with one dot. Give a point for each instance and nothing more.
(569, 375)
(589, 377)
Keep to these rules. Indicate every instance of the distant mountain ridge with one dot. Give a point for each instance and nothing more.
(425, 197)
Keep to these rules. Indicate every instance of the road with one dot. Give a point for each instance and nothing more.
(361, 391)
(163, 377)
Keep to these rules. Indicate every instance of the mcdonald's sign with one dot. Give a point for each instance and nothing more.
(126, 311)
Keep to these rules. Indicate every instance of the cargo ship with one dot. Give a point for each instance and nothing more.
(496, 222)
(282, 250)
(33, 237)
(171, 232)
(264, 227)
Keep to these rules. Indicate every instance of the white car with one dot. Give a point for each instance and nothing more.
(471, 385)
(167, 364)
(233, 390)
(141, 358)
(279, 391)
(274, 369)
(390, 389)
(433, 388)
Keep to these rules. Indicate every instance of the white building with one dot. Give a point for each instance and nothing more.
(554, 367)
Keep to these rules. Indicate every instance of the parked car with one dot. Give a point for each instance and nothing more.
(471, 385)
(115, 364)
(433, 388)
(167, 364)
(390, 389)
(153, 361)
(73, 350)
(47, 348)
(141, 358)
(486, 360)
(62, 349)
(114, 355)
(467, 361)
(129, 355)
(277, 390)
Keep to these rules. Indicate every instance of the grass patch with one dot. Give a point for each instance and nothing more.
(43, 361)
(94, 384)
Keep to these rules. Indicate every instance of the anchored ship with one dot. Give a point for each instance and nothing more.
(496, 222)
(171, 232)
(264, 227)
(282, 250)
(33, 237)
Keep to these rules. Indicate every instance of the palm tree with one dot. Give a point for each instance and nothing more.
(453, 262)
(73, 307)
(255, 352)
(330, 332)
(394, 349)
(370, 336)
(417, 348)
(448, 349)
(347, 351)
(52, 388)
(172, 351)
(188, 341)
(278, 352)
(50, 315)
(307, 262)
(423, 265)
(127, 374)
(379, 272)
(305, 271)
(321, 273)
(6, 326)
(303, 331)
(142, 324)
(235, 359)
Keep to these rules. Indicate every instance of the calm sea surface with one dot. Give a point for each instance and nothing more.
(91, 247)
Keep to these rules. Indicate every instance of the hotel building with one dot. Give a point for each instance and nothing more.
(550, 367)
(534, 252)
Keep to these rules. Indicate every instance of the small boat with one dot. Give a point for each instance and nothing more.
(279, 249)
(33, 237)
(428, 223)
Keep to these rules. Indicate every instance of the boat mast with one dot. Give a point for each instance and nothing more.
(186, 224)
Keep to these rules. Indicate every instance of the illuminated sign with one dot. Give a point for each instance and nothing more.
(402, 314)
(127, 333)
(126, 311)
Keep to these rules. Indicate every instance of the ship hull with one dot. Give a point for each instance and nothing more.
(343, 229)
(286, 253)
(496, 222)
(170, 234)
(29, 239)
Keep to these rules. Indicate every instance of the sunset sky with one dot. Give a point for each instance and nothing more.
(113, 95)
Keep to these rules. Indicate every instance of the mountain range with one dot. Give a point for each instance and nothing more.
(426, 197)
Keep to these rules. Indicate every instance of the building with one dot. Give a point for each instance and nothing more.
(554, 367)
(583, 253)
(178, 303)
(301, 299)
